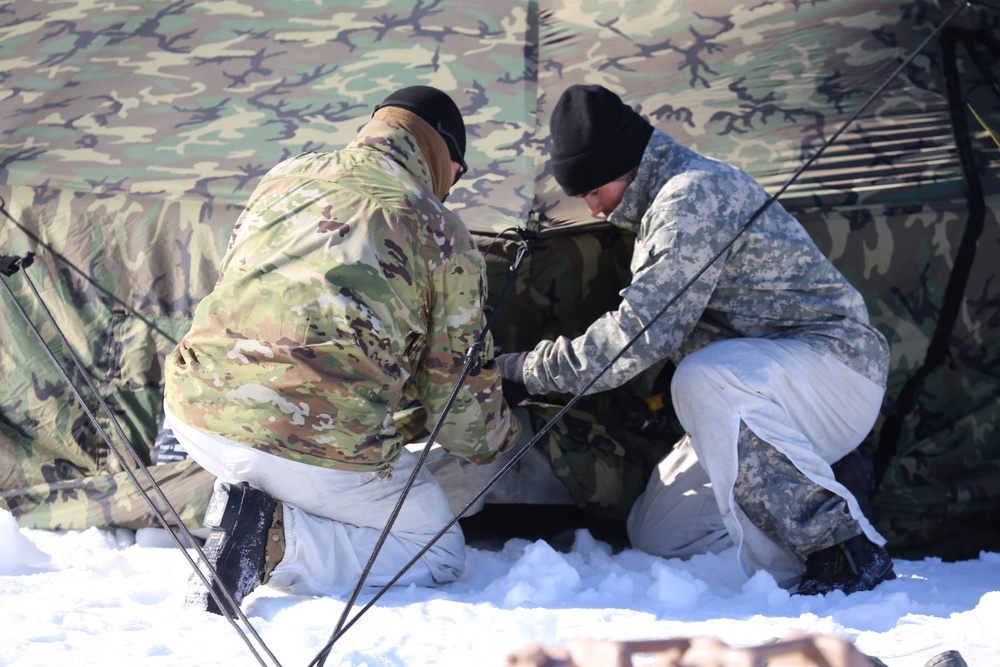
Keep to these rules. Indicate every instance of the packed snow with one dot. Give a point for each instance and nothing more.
(117, 597)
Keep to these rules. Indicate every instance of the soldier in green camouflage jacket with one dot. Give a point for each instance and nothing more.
(779, 372)
(347, 287)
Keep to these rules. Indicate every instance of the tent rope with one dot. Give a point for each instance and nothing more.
(472, 362)
(938, 349)
(13, 264)
(576, 397)
(9, 265)
(989, 130)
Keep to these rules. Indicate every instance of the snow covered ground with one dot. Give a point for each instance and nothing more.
(110, 598)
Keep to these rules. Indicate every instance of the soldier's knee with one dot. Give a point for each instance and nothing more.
(699, 377)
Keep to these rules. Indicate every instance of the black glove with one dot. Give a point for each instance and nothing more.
(511, 366)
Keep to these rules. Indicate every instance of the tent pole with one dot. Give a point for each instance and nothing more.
(472, 361)
(9, 265)
(321, 657)
(952, 298)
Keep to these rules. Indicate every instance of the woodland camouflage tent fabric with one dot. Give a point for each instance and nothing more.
(131, 133)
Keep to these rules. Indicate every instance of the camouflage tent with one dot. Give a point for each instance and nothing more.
(131, 134)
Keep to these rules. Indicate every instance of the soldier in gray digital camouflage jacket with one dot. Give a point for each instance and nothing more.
(347, 288)
(779, 372)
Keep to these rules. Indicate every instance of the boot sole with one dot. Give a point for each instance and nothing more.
(196, 595)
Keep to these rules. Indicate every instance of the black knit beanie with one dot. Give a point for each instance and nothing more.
(439, 110)
(596, 138)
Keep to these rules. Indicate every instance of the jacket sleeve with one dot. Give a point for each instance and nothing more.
(681, 232)
(479, 423)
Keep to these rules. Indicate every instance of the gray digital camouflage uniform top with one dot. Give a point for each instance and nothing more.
(346, 286)
(772, 283)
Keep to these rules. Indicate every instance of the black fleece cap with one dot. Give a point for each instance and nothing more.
(439, 110)
(596, 138)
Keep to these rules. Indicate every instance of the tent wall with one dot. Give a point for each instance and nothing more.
(131, 133)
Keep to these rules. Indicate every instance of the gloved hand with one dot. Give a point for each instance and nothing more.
(511, 366)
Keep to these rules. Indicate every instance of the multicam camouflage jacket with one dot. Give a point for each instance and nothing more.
(346, 287)
(771, 282)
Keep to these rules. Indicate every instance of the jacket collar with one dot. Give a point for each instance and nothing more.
(391, 138)
(663, 159)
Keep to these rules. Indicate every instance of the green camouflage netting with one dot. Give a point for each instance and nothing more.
(131, 134)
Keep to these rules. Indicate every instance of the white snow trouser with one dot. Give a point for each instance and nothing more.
(677, 516)
(809, 406)
(333, 518)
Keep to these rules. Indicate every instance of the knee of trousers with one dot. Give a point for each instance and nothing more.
(446, 562)
(700, 379)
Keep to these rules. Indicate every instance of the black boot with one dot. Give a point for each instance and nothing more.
(947, 659)
(857, 472)
(856, 564)
(240, 518)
